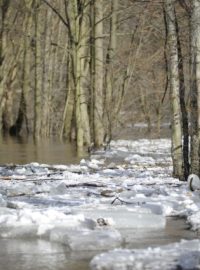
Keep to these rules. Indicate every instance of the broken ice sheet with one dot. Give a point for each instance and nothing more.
(41, 220)
(87, 190)
(183, 255)
(125, 217)
(21, 188)
(85, 240)
(2, 201)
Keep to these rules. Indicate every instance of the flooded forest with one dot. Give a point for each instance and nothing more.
(84, 70)
(99, 134)
(89, 71)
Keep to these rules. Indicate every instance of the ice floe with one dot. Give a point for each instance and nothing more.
(183, 255)
(88, 205)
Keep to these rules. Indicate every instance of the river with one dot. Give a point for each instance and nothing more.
(49, 151)
(32, 254)
(26, 254)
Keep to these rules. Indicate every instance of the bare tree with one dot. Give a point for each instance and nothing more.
(38, 68)
(109, 111)
(98, 74)
(177, 151)
(195, 86)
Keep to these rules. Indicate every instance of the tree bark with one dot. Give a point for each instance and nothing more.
(38, 70)
(47, 74)
(98, 73)
(23, 119)
(195, 87)
(184, 113)
(66, 127)
(4, 61)
(177, 153)
(108, 111)
(82, 33)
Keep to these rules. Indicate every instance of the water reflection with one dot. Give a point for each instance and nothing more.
(25, 150)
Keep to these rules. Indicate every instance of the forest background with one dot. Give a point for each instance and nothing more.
(84, 70)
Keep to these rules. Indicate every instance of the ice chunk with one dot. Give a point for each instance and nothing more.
(155, 208)
(83, 239)
(19, 232)
(20, 170)
(4, 212)
(2, 201)
(93, 165)
(35, 167)
(83, 162)
(21, 189)
(193, 182)
(172, 256)
(127, 194)
(42, 219)
(194, 220)
(113, 260)
(140, 159)
(59, 189)
(127, 217)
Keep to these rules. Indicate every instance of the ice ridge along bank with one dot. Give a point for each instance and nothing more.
(89, 206)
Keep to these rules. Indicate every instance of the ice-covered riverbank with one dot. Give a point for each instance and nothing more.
(87, 206)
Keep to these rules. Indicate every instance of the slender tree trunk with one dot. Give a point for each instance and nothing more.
(47, 74)
(177, 153)
(4, 62)
(109, 69)
(38, 71)
(195, 87)
(66, 127)
(185, 127)
(26, 74)
(71, 13)
(98, 73)
(82, 74)
(145, 109)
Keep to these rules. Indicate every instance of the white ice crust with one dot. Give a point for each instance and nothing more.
(85, 206)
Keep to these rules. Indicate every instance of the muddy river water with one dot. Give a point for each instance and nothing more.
(32, 254)
(26, 254)
(49, 151)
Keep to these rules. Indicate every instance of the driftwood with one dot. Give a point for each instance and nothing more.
(127, 202)
(86, 184)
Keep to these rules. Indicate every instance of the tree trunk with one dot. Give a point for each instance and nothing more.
(66, 127)
(195, 87)
(4, 61)
(110, 71)
(82, 73)
(177, 153)
(38, 70)
(98, 73)
(47, 74)
(184, 113)
(26, 75)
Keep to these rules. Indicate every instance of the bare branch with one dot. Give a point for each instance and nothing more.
(57, 13)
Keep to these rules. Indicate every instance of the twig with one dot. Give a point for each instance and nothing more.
(127, 202)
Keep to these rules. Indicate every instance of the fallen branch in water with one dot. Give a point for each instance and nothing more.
(86, 185)
(127, 202)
